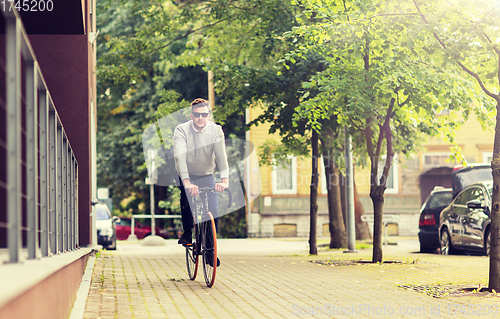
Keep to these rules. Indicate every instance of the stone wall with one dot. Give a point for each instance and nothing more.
(295, 211)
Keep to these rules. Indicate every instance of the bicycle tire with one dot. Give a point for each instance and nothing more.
(192, 257)
(209, 250)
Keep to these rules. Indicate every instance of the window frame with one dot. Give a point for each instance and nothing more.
(460, 201)
(448, 164)
(395, 174)
(274, 178)
(322, 177)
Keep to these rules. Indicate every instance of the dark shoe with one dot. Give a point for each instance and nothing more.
(186, 239)
(210, 261)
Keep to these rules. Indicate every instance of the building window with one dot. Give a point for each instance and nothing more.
(393, 178)
(436, 159)
(323, 187)
(487, 157)
(284, 176)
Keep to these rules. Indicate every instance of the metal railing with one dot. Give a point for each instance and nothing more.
(386, 219)
(132, 235)
(38, 168)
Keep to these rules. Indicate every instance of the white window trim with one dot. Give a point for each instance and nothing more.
(274, 177)
(436, 154)
(323, 188)
(395, 175)
(485, 157)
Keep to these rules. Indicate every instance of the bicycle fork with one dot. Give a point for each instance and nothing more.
(198, 233)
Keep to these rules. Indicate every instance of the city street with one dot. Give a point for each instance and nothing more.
(275, 278)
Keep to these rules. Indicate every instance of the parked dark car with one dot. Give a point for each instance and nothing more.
(465, 223)
(462, 177)
(106, 227)
(428, 223)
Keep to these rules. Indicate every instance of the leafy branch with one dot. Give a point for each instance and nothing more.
(466, 69)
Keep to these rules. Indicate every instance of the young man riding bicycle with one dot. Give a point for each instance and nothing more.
(198, 146)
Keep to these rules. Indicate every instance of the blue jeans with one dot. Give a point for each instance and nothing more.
(186, 199)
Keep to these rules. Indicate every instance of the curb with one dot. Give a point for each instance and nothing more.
(78, 310)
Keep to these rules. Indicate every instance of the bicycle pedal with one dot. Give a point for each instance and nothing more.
(187, 245)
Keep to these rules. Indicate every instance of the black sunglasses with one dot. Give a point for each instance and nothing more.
(197, 114)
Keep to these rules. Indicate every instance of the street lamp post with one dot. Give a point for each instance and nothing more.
(349, 184)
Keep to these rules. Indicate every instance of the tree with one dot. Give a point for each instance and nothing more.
(379, 81)
(313, 247)
(130, 89)
(203, 33)
(147, 46)
(467, 35)
(336, 225)
(281, 93)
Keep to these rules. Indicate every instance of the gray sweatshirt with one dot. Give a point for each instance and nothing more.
(196, 152)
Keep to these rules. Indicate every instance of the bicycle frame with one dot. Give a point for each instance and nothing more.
(201, 209)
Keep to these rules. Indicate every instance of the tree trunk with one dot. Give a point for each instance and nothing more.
(336, 221)
(378, 213)
(362, 229)
(313, 248)
(494, 277)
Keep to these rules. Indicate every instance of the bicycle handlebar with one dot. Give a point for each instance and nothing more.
(229, 193)
(230, 201)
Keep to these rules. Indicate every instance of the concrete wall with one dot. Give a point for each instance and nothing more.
(51, 297)
(295, 210)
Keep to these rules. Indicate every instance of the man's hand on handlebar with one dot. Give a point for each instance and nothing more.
(220, 187)
(191, 188)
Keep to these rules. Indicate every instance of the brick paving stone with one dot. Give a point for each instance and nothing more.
(151, 282)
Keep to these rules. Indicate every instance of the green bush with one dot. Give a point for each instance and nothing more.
(233, 225)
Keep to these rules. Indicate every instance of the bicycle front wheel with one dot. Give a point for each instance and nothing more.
(209, 250)
(192, 256)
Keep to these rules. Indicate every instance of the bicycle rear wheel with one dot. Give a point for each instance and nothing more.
(191, 256)
(209, 250)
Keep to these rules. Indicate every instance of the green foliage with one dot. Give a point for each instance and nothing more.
(372, 65)
(383, 78)
(380, 74)
(233, 225)
(152, 60)
(173, 203)
(131, 93)
(466, 36)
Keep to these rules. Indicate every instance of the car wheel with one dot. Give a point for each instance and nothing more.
(425, 248)
(487, 243)
(445, 242)
(113, 245)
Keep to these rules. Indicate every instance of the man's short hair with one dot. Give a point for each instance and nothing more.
(199, 102)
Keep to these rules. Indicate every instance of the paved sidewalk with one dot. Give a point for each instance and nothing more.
(270, 278)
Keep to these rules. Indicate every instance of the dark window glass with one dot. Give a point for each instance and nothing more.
(466, 177)
(439, 200)
(125, 222)
(465, 196)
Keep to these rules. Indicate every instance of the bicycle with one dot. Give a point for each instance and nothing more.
(204, 238)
